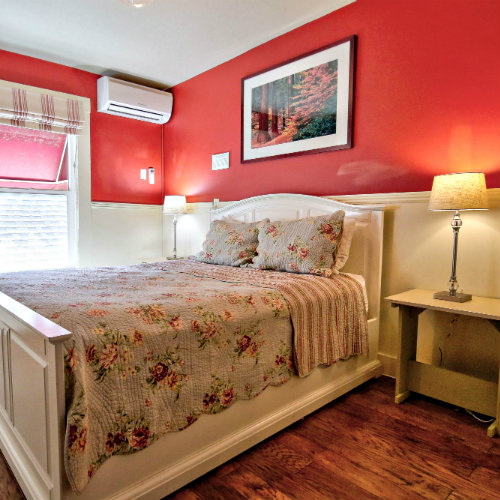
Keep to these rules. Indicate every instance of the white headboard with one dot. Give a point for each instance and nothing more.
(365, 257)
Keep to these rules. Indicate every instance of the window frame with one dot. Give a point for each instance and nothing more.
(69, 153)
(81, 251)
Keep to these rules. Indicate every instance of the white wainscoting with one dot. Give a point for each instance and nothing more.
(191, 230)
(124, 233)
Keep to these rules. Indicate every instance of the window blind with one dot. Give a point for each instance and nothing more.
(33, 231)
(35, 109)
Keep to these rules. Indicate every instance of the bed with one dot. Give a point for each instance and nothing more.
(32, 385)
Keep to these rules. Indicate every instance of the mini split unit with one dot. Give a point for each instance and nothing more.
(130, 100)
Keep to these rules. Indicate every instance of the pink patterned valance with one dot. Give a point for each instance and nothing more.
(35, 109)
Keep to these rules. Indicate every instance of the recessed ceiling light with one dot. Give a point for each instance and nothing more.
(137, 3)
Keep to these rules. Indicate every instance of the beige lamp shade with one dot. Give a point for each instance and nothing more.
(464, 191)
(174, 205)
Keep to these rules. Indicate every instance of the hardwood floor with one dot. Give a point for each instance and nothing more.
(362, 446)
(9, 489)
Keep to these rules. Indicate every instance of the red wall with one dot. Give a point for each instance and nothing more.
(427, 101)
(120, 147)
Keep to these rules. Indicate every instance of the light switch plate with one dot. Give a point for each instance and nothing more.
(144, 174)
(220, 161)
(151, 175)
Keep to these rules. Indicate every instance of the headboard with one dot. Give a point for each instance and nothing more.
(365, 256)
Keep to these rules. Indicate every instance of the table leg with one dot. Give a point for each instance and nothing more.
(494, 429)
(407, 348)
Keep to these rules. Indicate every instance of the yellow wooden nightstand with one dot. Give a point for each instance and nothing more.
(453, 387)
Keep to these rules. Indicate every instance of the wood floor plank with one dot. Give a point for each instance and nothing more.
(445, 465)
(186, 494)
(364, 446)
(458, 495)
(360, 447)
(215, 489)
(452, 442)
(9, 489)
(323, 480)
(427, 414)
(314, 482)
(251, 485)
(371, 461)
(290, 460)
(387, 481)
(408, 442)
(486, 475)
(494, 449)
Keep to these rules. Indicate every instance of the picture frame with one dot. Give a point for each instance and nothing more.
(302, 106)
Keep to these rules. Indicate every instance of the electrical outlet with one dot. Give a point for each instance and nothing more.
(144, 174)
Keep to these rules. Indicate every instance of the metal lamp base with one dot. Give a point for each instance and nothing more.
(459, 297)
(452, 295)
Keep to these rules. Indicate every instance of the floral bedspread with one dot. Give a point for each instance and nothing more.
(157, 345)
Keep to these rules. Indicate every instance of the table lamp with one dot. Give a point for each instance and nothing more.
(174, 205)
(456, 192)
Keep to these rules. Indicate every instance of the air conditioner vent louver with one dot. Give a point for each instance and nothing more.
(117, 97)
(135, 112)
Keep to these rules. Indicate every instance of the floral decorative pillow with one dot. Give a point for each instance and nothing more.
(303, 246)
(230, 243)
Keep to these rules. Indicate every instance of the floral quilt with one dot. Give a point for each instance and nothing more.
(157, 345)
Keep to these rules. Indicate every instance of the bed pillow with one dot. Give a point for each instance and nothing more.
(230, 243)
(345, 243)
(303, 246)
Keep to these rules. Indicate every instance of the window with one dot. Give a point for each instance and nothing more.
(52, 131)
(37, 199)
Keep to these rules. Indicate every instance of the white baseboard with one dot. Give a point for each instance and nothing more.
(388, 364)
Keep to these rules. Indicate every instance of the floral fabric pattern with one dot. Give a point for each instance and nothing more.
(302, 246)
(164, 343)
(159, 346)
(230, 243)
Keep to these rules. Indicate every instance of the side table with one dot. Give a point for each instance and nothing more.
(450, 386)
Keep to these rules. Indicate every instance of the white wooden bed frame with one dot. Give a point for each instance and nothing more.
(32, 401)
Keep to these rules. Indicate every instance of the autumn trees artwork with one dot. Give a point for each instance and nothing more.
(299, 106)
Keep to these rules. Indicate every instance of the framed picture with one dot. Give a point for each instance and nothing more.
(301, 106)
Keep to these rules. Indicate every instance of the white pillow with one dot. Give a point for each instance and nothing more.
(345, 243)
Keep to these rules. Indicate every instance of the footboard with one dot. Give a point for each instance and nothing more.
(32, 398)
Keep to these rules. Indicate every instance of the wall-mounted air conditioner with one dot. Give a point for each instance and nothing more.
(117, 97)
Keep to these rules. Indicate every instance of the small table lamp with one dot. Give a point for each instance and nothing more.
(174, 205)
(466, 191)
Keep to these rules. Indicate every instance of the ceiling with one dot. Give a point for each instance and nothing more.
(164, 43)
